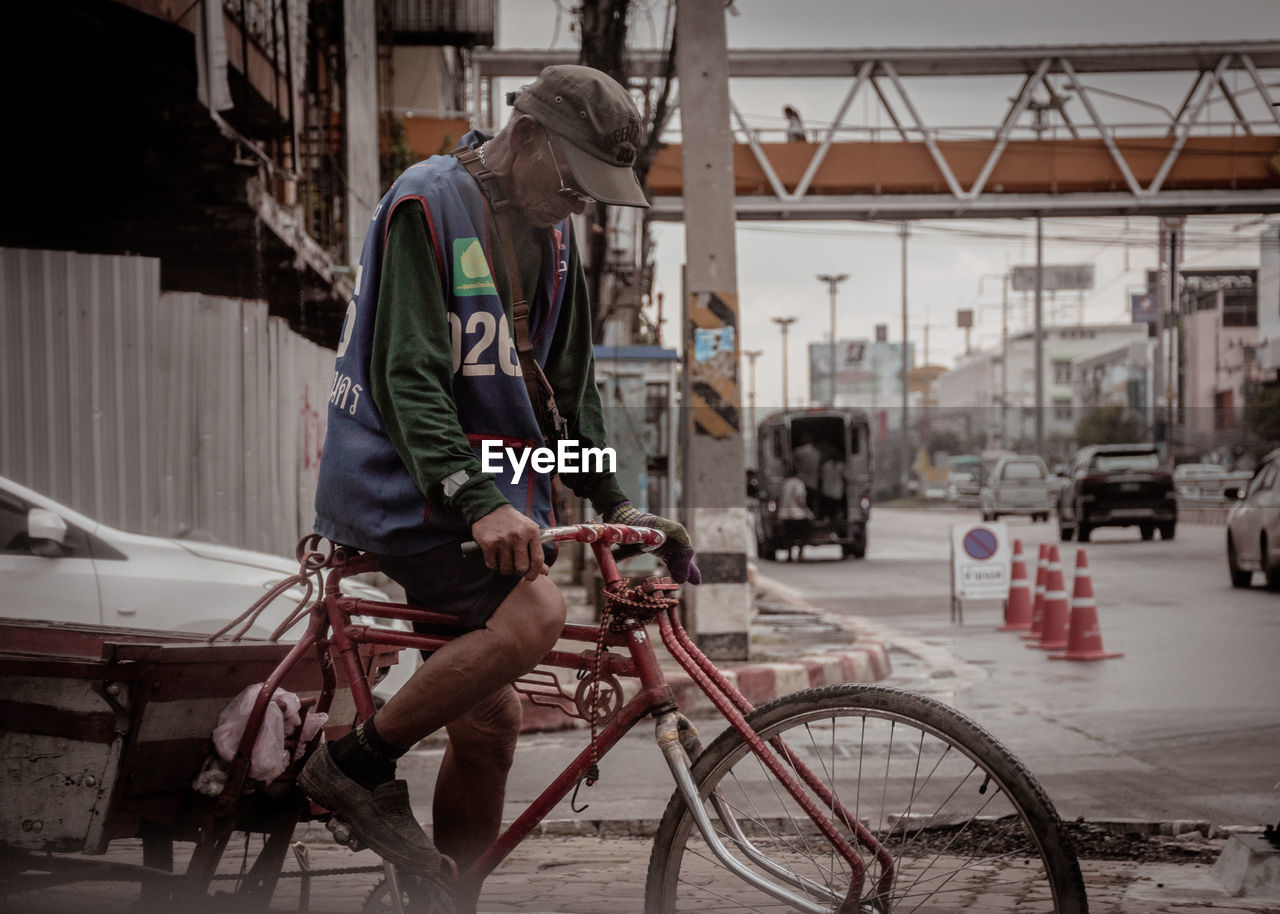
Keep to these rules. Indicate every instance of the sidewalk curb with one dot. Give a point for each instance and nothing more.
(866, 659)
(646, 828)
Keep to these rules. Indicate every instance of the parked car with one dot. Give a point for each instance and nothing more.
(58, 565)
(1253, 526)
(962, 487)
(964, 479)
(1206, 481)
(1017, 485)
(1117, 485)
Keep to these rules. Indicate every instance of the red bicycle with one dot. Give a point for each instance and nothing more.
(847, 798)
(850, 798)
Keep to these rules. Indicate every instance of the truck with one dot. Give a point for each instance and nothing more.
(839, 498)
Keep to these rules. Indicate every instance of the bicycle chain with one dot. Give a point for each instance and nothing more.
(296, 874)
(642, 604)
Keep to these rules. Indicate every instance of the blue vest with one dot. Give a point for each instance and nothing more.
(365, 496)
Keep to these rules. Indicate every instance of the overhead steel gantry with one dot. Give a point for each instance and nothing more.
(1052, 154)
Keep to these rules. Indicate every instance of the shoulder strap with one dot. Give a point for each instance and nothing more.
(541, 394)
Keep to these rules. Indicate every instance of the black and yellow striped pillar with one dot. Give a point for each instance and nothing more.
(714, 490)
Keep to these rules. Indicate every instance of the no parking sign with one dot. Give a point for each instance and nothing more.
(980, 560)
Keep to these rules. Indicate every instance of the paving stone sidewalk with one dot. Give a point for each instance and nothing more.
(565, 871)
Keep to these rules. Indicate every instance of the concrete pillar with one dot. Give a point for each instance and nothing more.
(714, 489)
(361, 110)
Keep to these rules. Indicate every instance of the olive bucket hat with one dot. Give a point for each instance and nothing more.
(599, 124)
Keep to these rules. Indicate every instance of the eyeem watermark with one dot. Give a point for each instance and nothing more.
(567, 457)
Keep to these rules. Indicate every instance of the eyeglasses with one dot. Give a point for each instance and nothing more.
(565, 190)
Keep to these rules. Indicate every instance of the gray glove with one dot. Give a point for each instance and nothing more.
(676, 552)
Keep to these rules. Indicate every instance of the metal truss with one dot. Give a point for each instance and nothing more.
(1228, 165)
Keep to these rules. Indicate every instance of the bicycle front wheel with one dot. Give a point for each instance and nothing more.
(958, 816)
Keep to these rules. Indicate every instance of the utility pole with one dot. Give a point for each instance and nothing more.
(904, 231)
(1165, 377)
(1175, 329)
(927, 395)
(1004, 361)
(1039, 336)
(714, 497)
(603, 26)
(1004, 349)
(833, 280)
(752, 355)
(784, 323)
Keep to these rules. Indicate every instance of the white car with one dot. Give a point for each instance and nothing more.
(57, 565)
(1206, 480)
(1253, 526)
(1017, 485)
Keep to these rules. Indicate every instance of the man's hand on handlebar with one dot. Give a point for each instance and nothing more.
(676, 552)
(510, 543)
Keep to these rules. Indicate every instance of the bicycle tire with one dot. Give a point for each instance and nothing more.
(1009, 842)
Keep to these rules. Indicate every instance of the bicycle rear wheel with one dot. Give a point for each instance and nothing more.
(961, 817)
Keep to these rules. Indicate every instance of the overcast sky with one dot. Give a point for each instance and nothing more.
(777, 262)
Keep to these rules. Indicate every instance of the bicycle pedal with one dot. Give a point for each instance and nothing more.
(343, 834)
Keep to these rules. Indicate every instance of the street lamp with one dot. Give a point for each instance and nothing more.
(833, 280)
(784, 323)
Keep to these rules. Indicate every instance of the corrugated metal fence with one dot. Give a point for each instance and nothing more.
(157, 413)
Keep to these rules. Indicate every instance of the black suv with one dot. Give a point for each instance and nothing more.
(1117, 485)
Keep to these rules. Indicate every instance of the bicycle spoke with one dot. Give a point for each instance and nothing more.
(782, 798)
(958, 834)
(731, 904)
(955, 816)
(831, 781)
(761, 823)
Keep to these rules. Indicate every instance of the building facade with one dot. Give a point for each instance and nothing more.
(993, 403)
(1269, 305)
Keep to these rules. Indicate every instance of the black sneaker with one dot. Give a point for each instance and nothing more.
(381, 818)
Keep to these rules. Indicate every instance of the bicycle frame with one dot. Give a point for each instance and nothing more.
(331, 632)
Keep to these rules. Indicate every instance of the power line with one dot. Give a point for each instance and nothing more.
(1140, 238)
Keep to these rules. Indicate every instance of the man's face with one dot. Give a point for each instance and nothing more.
(542, 187)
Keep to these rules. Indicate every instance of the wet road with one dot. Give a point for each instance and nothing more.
(1185, 726)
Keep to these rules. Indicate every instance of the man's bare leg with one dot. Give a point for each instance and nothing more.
(472, 782)
(466, 686)
(471, 668)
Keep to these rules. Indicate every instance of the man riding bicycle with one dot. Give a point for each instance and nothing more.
(470, 323)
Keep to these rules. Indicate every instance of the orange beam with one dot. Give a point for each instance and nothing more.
(1026, 166)
(429, 136)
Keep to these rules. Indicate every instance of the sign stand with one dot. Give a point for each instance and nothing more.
(980, 565)
(957, 610)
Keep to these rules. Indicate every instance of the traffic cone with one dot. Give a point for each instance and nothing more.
(1017, 608)
(1037, 601)
(1084, 642)
(1057, 611)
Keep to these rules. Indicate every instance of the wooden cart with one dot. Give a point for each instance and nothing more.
(102, 734)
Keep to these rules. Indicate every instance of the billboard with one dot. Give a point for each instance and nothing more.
(1057, 277)
(868, 372)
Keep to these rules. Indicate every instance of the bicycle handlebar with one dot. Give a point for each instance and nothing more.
(645, 537)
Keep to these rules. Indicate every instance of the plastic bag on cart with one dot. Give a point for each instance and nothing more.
(269, 757)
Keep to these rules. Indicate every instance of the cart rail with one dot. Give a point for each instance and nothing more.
(107, 728)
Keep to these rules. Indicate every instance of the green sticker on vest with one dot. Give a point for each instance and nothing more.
(471, 268)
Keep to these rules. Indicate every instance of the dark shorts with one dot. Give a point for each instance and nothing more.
(446, 581)
(796, 531)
